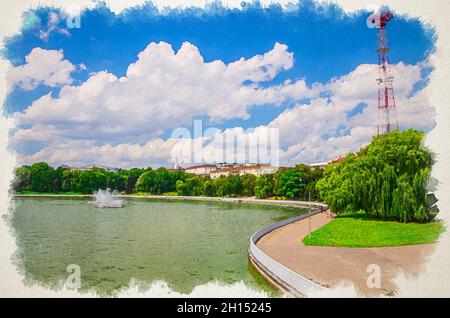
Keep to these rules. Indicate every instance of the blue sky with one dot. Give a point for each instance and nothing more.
(325, 42)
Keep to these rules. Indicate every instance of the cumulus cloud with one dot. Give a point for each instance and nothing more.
(162, 90)
(328, 127)
(118, 121)
(229, 145)
(42, 66)
(79, 152)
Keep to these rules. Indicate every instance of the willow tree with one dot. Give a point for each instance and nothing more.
(387, 179)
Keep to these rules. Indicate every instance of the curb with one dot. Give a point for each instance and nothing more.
(276, 273)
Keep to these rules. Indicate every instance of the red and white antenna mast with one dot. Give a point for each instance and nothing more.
(387, 119)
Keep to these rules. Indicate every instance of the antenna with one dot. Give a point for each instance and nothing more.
(387, 118)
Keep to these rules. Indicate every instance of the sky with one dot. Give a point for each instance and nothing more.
(114, 89)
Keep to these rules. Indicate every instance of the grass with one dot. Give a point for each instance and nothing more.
(170, 194)
(49, 193)
(358, 230)
(148, 193)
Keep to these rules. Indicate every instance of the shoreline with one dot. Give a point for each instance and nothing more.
(277, 275)
(282, 203)
(275, 272)
(278, 254)
(331, 266)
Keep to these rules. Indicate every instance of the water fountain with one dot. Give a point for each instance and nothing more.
(105, 199)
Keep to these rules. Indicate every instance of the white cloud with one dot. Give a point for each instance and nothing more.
(41, 66)
(162, 90)
(156, 152)
(323, 129)
(118, 121)
(78, 152)
(52, 26)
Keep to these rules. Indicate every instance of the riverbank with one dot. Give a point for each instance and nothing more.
(332, 266)
(286, 203)
(325, 266)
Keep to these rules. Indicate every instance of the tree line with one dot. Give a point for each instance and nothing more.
(293, 183)
(386, 179)
(42, 178)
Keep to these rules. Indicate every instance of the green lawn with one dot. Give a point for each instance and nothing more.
(360, 231)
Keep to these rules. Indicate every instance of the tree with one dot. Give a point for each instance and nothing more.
(248, 185)
(191, 186)
(59, 178)
(265, 186)
(310, 178)
(386, 179)
(132, 176)
(209, 187)
(291, 183)
(146, 181)
(22, 179)
(42, 177)
(228, 186)
(71, 181)
(159, 181)
(92, 180)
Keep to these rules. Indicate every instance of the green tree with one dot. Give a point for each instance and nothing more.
(386, 179)
(59, 178)
(310, 178)
(228, 186)
(248, 185)
(291, 183)
(92, 180)
(209, 187)
(159, 181)
(132, 176)
(191, 186)
(22, 179)
(42, 177)
(265, 186)
(146, 181)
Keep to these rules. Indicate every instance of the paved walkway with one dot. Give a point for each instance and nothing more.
(330, 266)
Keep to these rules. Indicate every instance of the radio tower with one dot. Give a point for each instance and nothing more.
(387, 119)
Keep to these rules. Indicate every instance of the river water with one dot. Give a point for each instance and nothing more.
(180, 242)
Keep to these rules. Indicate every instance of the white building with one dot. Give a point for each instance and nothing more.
(318, 165)
(92, 166)
(323, 164)
(256, 169)
(200, 169)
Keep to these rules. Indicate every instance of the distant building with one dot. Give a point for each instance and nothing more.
(323, 164)
(255, 169)
(318, 165)
(200, 169)
(92, 166)
(227, 165)
(338, 159)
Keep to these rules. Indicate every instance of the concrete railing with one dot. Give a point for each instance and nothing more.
(280, 275)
